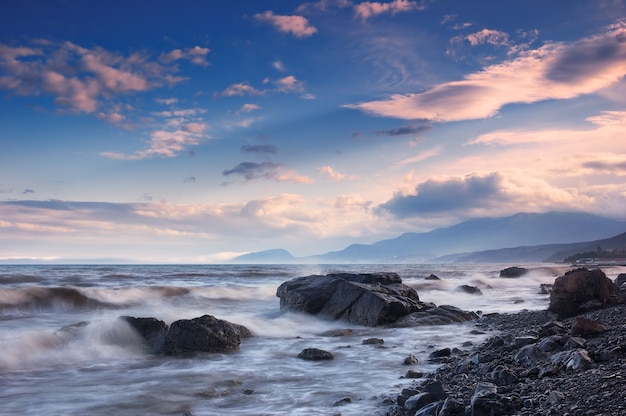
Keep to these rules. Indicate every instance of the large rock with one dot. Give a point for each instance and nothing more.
(510, 272)
(203, 334)
(362, 299)
(577, 288)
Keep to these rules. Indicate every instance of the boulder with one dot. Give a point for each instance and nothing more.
(203, 334)
(315, 354)
(362, 299)
(472, 290)
(620, 279)
(151, 330)
(511, 272)
(576, 288)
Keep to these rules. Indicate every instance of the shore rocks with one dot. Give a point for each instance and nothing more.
(362, 299)
(315, 354)
(536, 365)
(579, 290)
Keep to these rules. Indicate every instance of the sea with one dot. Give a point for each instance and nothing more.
(64, 350)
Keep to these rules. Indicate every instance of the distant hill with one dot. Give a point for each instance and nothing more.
(482, 234)
(274, 256)
(534, 237)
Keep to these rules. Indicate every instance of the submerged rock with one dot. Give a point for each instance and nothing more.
(511, 272)
(151, 330)
(315, 354)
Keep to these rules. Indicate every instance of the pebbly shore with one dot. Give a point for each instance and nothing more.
(534, 364)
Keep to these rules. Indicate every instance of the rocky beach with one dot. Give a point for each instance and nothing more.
(566, 360)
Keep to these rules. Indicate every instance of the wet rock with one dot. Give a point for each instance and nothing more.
(577, 287)
(203, 334)
(373, 341)
(362, 299)
(512, 272)
(414, 374)
(151, 330)
(585, 327)
(472, 290)
(315, 354)
(413, 403)
(432, 277)
(452, 407)
(444, 352)
(575, 360)
(410, 360)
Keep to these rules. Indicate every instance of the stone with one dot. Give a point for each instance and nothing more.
(472, 290)
(577, 287)
(315, 354)
(444, 352)
(512, 272)
(410, 360)
(373, 341)
(620, 279)
(585, 327)
(361, 299)
(151, 330)
(203, 334)
(435, 389)
(418, 401)
(452, 407)
(432, 277)
(575, 360)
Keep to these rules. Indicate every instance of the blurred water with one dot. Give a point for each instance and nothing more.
(98, 367)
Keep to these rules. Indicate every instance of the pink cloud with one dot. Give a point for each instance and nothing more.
(369, 9)
(241, 88)
(298, 26)
(196, 55)
(554, 71)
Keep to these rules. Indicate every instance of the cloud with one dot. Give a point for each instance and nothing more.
(242, 88)
(330, 173)
(165, 143)
(488, 36)
(79, 78)
(190, 179)
(279, 66)
(249, 107)
(556, 70)
(196, 55)
(308, 97)
(404, 130)
(266, 170)
(259, 148)
(447, 194)
(368, 9)
(323, 5)
(420, 157)
(298, 26)
(167, 101)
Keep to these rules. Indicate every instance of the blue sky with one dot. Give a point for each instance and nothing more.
(185, 131)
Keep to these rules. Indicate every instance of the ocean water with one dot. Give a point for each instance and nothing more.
(63, 350)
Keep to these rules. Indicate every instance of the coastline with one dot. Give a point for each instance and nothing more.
(569, 373)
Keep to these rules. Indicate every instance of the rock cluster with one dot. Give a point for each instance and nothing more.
(202, 334)
(537, 364)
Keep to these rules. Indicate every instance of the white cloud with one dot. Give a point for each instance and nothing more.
(196, 55)
(331, 173)
(249, 107)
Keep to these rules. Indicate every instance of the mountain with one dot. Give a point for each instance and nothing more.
(533, 236)
(274, 256)
(523, 229)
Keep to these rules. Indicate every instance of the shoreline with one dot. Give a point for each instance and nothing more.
(534, 364)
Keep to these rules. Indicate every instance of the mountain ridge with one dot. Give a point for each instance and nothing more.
(543, 233)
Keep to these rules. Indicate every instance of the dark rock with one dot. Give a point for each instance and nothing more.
(343, 401)
(435, 389)
(545, 288)
(410, 360)
(472, 290)
(314, 354)
(452, 407)
(151, 330)
(577, 359)
(362, 299)
(585, 327)
(337, 333)
(418, 401)
(429, 410)
(441, 315)
(444, 352)
(373, 341)
(414, 374)
(620, 279)
(203, 334)
(577, 287)
(511, 272)
(432, 277)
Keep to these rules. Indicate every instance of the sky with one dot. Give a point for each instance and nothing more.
(195, 131)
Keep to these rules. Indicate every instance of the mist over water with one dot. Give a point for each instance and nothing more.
(65, 352)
